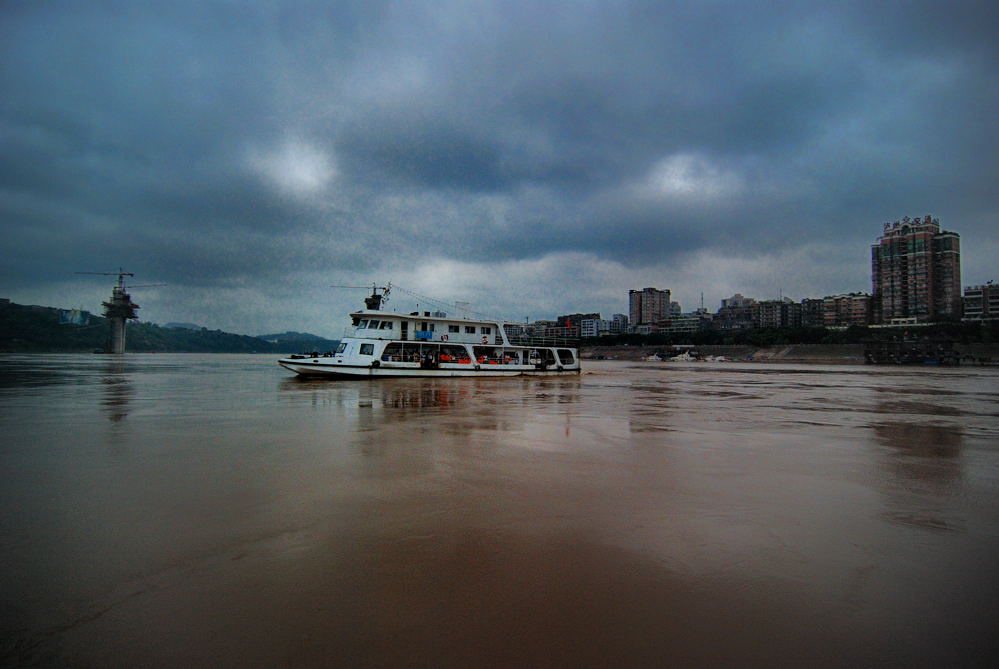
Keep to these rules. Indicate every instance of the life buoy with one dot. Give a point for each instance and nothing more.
(443, 337)
(485, 339)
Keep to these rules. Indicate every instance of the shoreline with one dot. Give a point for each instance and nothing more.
(826, 354)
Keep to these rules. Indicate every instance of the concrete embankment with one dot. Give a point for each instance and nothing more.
(824, 353)
(829, 354)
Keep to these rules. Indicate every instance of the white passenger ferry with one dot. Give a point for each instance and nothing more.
(380, 343)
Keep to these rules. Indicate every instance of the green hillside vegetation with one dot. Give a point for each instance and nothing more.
(38, 329)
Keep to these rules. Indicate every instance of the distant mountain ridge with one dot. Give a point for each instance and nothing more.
(45, 329)
(291, 335)
(300, 341)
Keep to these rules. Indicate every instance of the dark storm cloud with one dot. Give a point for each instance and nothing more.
(239, 142)
(424, 153)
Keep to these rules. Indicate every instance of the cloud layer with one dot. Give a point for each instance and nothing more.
(533, 158)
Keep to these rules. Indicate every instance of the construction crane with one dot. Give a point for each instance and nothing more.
(374, 301)
(119, 308)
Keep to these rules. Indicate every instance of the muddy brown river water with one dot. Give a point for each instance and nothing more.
(215, 511)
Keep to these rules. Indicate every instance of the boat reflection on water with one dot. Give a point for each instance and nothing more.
(429, 393)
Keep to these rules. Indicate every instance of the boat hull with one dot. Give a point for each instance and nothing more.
(321, 368)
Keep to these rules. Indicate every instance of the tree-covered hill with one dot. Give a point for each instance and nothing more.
(43, 329)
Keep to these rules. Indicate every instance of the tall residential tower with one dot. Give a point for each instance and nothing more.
(916, 272)
(647, 306)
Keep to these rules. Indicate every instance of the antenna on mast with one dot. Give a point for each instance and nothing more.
(375, 300)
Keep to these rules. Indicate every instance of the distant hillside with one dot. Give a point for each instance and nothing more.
(292, 336)
(182, 326)
(45, 329)
(301, 341)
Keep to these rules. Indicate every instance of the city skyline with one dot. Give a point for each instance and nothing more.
(529, 158)
(653, 306)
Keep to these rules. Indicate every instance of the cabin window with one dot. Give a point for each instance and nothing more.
(486, 330)
(367, 349)
(456, 354)
(565, 356)
(372, 325)
(386, 325)
(397, 352)
(392, 352)
(486, 354)
(453, 328)
(470, 329)
(545, 354)
(341, 348)
(363, 323)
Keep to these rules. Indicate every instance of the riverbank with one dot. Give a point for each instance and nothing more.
(827, 354)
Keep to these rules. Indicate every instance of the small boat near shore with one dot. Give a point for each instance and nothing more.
(429, 344)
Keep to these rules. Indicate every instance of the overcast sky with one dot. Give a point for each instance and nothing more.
(532, 158)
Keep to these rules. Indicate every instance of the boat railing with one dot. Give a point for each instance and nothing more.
(515, 340)
(564, 342)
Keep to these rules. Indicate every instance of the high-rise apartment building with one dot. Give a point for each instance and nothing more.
(981, 303)
(738, 300)
(812, 312)
(916, 272)
(596, 327)
(647, 306)
(570, 320)
(777, 314)
(846, 310)
(736, 313)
